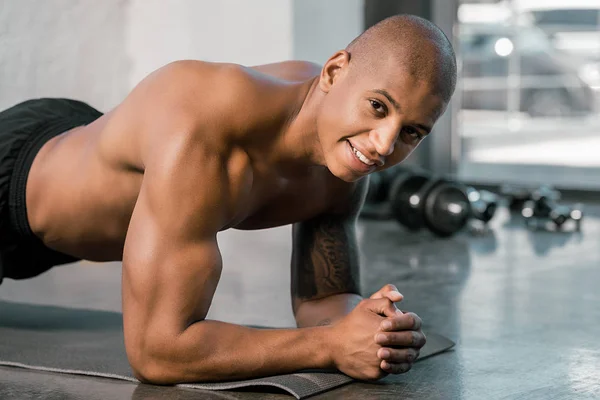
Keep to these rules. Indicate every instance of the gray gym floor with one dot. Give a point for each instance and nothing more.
(523, 307)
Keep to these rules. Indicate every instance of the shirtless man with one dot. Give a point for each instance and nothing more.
(197, 148)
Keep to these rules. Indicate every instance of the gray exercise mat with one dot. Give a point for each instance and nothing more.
(88, 342)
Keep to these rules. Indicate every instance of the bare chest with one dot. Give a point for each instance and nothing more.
(278, 201)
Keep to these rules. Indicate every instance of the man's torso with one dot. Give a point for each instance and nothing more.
(83, 185)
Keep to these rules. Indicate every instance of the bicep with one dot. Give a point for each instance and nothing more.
(171, 261)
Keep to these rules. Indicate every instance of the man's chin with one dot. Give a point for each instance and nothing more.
(349, 179)
(345, 174)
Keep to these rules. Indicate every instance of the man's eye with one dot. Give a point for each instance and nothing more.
(377, 106)
(413, 133)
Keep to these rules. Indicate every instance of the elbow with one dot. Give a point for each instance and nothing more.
(150, 373)
(168, 357)
(149, 368)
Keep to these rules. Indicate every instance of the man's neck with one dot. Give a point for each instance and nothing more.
(298, 143)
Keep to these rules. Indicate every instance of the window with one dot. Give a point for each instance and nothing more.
(568, 18)
(529, 95)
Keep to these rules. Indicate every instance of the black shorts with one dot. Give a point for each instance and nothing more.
(24, 128)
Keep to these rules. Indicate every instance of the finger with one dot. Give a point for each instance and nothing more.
(401, 322)
(398, 356)
(386, 288)
(395, 368)
(390, 291)
(394, 297)
(414, 339)
(381, 306)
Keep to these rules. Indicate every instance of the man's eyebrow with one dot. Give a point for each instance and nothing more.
(388, 96)
(427, 129)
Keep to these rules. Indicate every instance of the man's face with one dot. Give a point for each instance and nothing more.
(373, 120)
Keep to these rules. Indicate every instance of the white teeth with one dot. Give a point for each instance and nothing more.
(362, 157)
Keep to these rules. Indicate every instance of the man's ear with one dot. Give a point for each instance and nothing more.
(333, 69)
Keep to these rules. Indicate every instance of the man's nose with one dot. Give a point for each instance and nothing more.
(384, 140)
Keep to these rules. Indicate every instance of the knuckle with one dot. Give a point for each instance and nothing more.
(416, 320)
(391, 338)
(409, 339)
(415, 338)
(403, 338)
(410, 356)
(388, 338)
(393, 355)
(395, 338)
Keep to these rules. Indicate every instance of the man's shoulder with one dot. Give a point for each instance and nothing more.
(231, 93)
(190, 96)
(197, 85)
(292, 70)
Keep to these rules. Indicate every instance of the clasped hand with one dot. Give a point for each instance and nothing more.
(376, 338)
(400, 335)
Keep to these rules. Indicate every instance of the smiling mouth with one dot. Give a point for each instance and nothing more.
(361, 156)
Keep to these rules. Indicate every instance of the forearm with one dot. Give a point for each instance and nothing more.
(325, 311)
(215, 351)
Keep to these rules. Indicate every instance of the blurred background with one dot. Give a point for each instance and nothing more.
(529, 91)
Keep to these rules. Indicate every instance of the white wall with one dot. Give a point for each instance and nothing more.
(96, 51)
(70, 48)
(323, 27)
(239, 31)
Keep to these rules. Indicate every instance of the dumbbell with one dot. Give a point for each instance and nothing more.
(378, 188)
(483, 204)
(418, 199)
(543, 207)
(379, 185)
(518, 195)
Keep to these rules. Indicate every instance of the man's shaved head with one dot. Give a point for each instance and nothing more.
(382, 95)
(415, 44)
